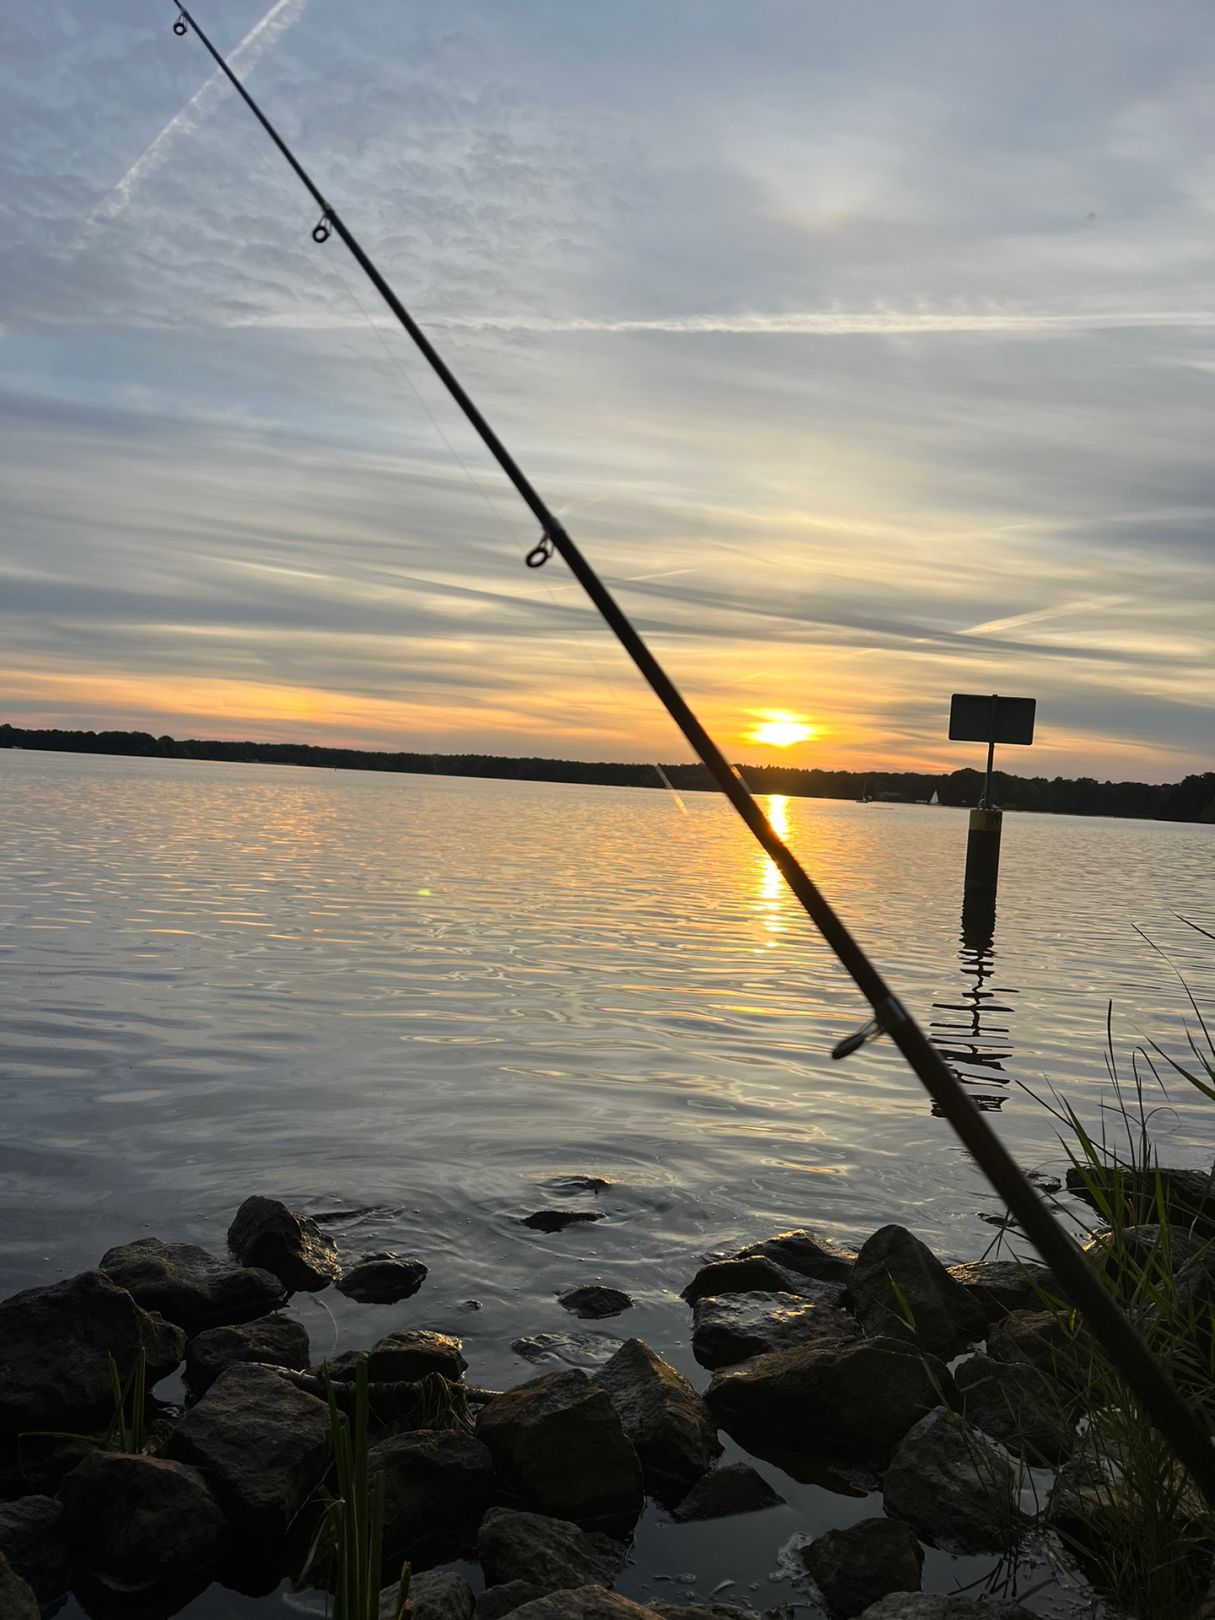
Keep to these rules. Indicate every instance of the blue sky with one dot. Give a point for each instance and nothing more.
(869, 351)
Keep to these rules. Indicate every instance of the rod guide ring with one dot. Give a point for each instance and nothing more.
(181, 27)
(540, 552)
(320, 231)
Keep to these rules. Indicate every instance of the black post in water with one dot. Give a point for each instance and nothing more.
(991, 720)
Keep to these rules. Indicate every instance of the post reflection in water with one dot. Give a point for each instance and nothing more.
(973, 1034)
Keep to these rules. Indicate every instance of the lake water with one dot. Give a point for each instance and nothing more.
(429, 999)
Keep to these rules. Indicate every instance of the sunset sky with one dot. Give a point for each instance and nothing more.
(868, 350)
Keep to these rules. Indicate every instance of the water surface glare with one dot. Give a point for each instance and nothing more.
(424, 1000)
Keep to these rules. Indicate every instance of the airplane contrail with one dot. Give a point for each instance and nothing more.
(280, 17)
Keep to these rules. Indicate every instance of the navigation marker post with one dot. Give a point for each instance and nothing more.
(990, 719)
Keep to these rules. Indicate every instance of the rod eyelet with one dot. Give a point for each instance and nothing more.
(181, 27)
(540, 552)
(320, 231)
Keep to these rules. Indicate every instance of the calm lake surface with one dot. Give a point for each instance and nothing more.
(423, 1001)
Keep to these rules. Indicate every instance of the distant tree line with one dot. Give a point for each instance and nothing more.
(1192, 799)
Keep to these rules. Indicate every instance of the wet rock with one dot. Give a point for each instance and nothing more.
(261, 1444)
(558, 1442)
(55, 1345)
(587, 1603)
(190, 1287)
(952, 1487)
(561, 1185)
(895, 1273)
(140, 1520)
(1038, 1339)
(733, 1488)
(265, 1233)
(1189, 1194)
(32, 1538)
(928, 1606)
(435, 1594)
(857, 1566)
(755, 1275)
(834, 1396)
(1015, 1404)
(17, 1601)
(575, 1349)
(415, 1353)
(729, 1328)
(276, 1341)
(702, 1611)
(437, 1486)
(666, 1420)
(382, 1279)
(594, 1301)
(806, 1254)
(1001, 1286)
(545, 1554)
(556, 1220)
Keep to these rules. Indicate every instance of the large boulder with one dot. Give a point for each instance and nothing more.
(1017, 1405)
(55, 1349)
(262, 1445)
(33, 1540)
(558, 1444)
(274, 1341)
(666, 1420)
(1000, 1286)
(545, 1554)
(731, 1489)
(437, 1485)
(266, 1233)
(898, 1287)
(729, 1328)
(806, 1253)
(188, 1286)
(587, 1603)
(757, 1274)
(838, 1397)
(953, 1488)
(17, 1601)
(415, 1353)
(929, 1606)
(382, 1279)
(435, 1594)
(862, 1563)
(140, 1520)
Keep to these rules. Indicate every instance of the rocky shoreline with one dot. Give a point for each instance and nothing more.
(942, 1386)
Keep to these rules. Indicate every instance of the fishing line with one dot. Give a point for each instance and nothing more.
(1185, 1431)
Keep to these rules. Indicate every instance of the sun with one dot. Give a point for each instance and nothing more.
(780, 731)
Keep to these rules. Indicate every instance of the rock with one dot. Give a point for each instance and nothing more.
(276, 1341)
(1017, 1405)
(729, 1328)
(952, 1487)
(415, 1353)
(928, 1606)
(261, 1444)
(733, 1488)
(1189, 1194)
(556, 1220)
(17, 1602)
(666, 1420)
(594, 1301)
(857, 1566)
(496, 1601)
(1143, 1258)
(1039, 1339)
(437, 1486)
(1001, 1286)
(265, 1233)
(806, 1254)
(55, 1345)
(140, 1520)
(575, 1349)
(382, 1279)
(587, 1603)
(833, 1396)
(894, 1274)
(756, 1275)
(702, 1611)
(32, 1538)
(435, 1594)
(546, 1554)
(190, 1287)
(558, 1442)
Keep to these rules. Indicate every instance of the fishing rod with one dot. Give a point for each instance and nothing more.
(1186, 1433)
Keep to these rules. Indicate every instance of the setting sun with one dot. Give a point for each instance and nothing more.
(780, 731)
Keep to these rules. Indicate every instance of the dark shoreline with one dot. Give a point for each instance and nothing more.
(1192, 799)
